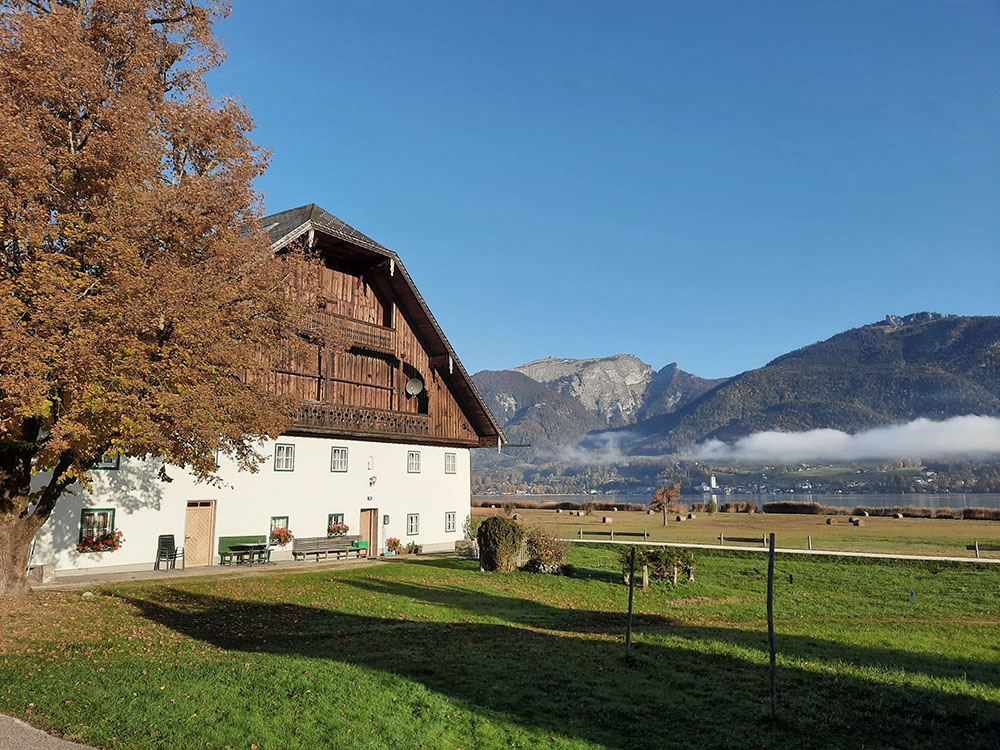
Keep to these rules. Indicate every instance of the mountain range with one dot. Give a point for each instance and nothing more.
(894, 370)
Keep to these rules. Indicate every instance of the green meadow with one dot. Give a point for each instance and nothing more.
(431, 653)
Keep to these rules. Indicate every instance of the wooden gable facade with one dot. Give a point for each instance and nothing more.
(359, 391)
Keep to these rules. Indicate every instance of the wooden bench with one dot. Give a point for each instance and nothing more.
(339, 546)
(226, 554)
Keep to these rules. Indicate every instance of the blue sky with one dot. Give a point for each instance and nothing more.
(711, 183)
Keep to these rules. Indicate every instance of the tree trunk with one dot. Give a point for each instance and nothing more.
(15, 541)
(664, 514)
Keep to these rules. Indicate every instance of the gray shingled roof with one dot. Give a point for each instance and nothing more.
(286, 223)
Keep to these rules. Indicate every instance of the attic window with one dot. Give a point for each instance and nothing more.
(270, 226)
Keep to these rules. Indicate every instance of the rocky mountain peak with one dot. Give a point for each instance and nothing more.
(612, 387)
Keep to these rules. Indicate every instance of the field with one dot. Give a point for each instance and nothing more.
(914, 536)
(431, 653)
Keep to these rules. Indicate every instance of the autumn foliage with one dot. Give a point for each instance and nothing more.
(665, 499)
(139, 302)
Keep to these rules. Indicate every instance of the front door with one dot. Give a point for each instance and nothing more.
(199, 532)
(368, 529)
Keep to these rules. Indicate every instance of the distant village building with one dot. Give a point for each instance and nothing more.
(381, 443)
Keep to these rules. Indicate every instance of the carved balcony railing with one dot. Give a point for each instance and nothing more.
(357, 420)
(368, 335)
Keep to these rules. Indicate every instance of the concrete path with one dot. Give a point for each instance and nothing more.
(796, 551)
(70, 582)
(16, 735)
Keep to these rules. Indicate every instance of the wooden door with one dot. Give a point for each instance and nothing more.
(368, 529)
(199, 532)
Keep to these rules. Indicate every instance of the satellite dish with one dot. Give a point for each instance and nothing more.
(414, 387)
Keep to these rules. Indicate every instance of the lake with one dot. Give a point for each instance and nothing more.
(953, 500)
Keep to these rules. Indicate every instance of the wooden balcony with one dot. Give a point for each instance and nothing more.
(369, 335)
(337, 419)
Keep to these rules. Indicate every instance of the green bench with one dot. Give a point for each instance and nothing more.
(338, 546)
(226, 554)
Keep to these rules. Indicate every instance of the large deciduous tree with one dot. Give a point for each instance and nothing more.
(139, 302)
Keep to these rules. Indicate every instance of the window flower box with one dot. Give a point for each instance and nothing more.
(281, 536)
(337, 529)
(102, 543)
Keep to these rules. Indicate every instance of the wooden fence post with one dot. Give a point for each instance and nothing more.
(581, 532)
(763, 539)
(612, 535)
(722, 538)
(631, 590)
(770, 625)
(976, 542)
(810, 542)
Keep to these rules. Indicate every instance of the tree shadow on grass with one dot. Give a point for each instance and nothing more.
(797, 647)
(676, 694)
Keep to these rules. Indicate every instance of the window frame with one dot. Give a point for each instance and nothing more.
(410, 463)
(454, 463)
(101, 466)
(278, 526)
(412, 519)
(331, 518)
(276, 451)
(333, 468)
(450, 522)
(85, 511)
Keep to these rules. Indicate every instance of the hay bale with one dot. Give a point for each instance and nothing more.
(829, 522)
(679, 518)
(649, 512)
(691, 516)
(858, 522)
(897, 515)
(606, 519)
(558, 510)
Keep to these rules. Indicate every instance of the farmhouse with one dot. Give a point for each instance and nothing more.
(381, 443)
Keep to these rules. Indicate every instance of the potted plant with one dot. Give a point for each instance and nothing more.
(392, 546)
(281, 536)
(337, 529)
(414, 549)
(108, 542)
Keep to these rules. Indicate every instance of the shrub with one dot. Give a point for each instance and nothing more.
(663, 562)
(412, 548)
(742, 506)
(700, 507)
(469, 527)
(509, 508)
(981, 514)
(500, 541)
(945, 513)
(545, 552)
(791, 506)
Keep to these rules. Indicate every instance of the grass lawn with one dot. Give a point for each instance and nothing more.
(431, 653)
(912, 536)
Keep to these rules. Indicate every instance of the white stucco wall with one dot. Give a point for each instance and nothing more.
(146, 507)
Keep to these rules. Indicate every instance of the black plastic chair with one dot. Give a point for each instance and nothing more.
(168, 552)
